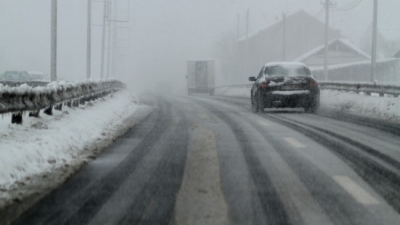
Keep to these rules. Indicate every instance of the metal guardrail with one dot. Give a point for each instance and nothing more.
(17, 100)
(364, 87)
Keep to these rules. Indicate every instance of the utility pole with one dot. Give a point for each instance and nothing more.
(238, 26)
(103, 39)
(53, 70)
(374, 41)
(114, 53)
(89, 39)
(247, 41)
(114, 45)
(284, 37)
(109, 42)
(326, 56)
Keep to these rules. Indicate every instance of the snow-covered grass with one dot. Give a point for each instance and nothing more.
(385, 108)
(43, 144)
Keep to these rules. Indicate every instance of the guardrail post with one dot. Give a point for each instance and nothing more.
(396, 96)
(76, 103)
(381, 94)
(368, 93)
(16, 118)
(49, 111)
(82, 100)
(34, 114)
(58, 107)
(69, 104)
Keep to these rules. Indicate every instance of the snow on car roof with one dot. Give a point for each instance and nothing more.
(285, 64)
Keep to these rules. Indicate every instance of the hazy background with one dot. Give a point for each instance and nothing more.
(162, 35)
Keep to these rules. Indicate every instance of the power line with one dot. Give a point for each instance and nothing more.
(350, 6)
(322, 9)
(315, 17)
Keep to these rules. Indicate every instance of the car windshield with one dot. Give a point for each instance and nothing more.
(286, 71)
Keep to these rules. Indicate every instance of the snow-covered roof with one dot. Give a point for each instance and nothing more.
(321, 47)
(285, 64)
(339, 66)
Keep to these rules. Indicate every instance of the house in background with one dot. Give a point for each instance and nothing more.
(348, 63)
(397, 54)
(300, 37)
(340, 51)
(284, 40)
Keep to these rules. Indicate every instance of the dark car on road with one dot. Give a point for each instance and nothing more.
(284, 85)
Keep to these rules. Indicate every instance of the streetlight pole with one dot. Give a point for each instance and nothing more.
(89, 39)
(247, 41)
(374, 41)
(284, 37)
(103, 39)
(327, 5)
(53, 69)
(114, 44)
(109, 41)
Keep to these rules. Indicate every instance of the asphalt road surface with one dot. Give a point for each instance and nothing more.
(205, 160)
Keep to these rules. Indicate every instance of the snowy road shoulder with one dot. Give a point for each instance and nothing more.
(61, 143)
(382, 108)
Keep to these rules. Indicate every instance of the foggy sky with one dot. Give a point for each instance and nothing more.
(163, 33)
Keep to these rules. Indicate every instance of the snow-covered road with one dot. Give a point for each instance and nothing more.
(210, 160)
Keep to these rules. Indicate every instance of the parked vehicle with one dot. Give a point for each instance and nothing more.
(285, 84)
(19, 76)
(201, 76)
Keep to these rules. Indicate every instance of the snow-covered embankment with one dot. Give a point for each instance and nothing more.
(66, 139)
(384, 108)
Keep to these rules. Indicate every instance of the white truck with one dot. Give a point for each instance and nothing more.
(201, 76)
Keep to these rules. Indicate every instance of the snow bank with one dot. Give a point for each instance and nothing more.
(385, 108)
(43, 144)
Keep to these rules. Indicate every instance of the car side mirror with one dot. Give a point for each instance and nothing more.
(252, 79)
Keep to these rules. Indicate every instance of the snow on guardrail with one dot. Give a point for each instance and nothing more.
(17, 100)
(19, 83)
(364, 87)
